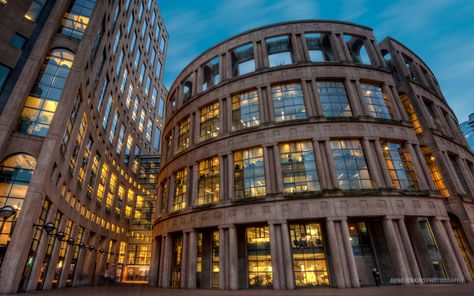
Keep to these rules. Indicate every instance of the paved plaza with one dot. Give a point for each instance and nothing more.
(451, 290)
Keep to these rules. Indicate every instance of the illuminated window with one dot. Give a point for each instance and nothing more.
(128, 149)
(209, 122)
(245, 110)
(141, 123)
(288, 102)
(149, 129)
(298, 167)
(319, 47)
(78, 143)
(176, 260)
(15, 176)
(411, 113)
(70, 123)
(77, 17)
(183, 135)
(249, 175)
(119, 201)
(42, 102)
(399, 166)
(94, 169)
(309, 255)
(35, 10)
(360, 239)
(179, 201)
(333, 99)
(376, 101)
(351, 167)
(436, 175)
(279, 51)
(259, 258)
(211, 73)
(121, 135)
(104, 172)
(85, 160)
(129, 95)
(243, 61)
(432, 249)
(208, 182)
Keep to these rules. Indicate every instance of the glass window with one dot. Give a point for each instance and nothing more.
(148, 43)
(161, 108)
(249, 174)
(135, 108)
(107, 111)
(35, 10)
(376, 101)
(158, 69)
(179, 201)
(154, 94)
(183, 135)
(157, 139)
(147, 85)
(208, 182)
(119, 63)
(152, 57)
(432, 249)
(41, 104)
(85, 159)
(142, 73)
(141, 123)
(243, 61)
(298, 167)
(133, 42)
(279, 51)
(149, 129)
(211, 73)
(130, 24)
(245, 110)
(333, 99)
(15, 175)
(116, 41)
(162, 44)
(319, 47)
(128, 149)
(309, 255)
(351, 167)
(140, 11)
(124, 80)
(113, 127)
(143, 31)
(288, 102)
(137, 59)
(188, 88)
(399, 166)
(120, 139)
(76, 19)
(129, 95)
(78, 143)
(4, 72)
(18, 41)
(410, 109)
(459, 174)
(209, 122)
(259, 258)
(357, 49)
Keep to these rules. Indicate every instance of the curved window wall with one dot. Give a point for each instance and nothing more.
(43, 100)
(15, 176)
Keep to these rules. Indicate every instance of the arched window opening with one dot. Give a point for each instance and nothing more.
(243, 60)
(77, 18)
(187, 87)
(43, 100)
(279, 51)
(15, 176)
(211, 74)
(319, 47)
(357, 49)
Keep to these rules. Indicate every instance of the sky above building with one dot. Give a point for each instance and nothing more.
(441, 32)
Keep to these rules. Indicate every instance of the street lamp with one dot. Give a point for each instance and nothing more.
(7, 212)
(59, 235)
(48, 227)
(91, 248)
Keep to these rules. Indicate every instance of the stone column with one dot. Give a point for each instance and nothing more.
(334, 252)
(467, 175)
(222, 259)
(344, 48)
(398, 102)
(166, 272)
(48, 279)
(369, 155)
(318, 109)
(420, 176)
(229, 115)
(331, 165)
(288, 259)
(184, 261)
(308, 99)
(162, 259)
(426, 170)
(277, 173)
(396, 113)
(269, 175)
(445, 249)
(191, 179)
(192, 260)
(195, 127)
(80, 261)
(349, 255)
(233, 258)
(336, 47)
(386, 175)
(275, 257)
(353, 97)
(230, 176)
(268, 97)
(194, 184)
(321, 167)
(364, 108)
(222, 116)
(297, 49)
(410, 254)
(394, 248)
(67, 258)
(457, 251)
(154, 262)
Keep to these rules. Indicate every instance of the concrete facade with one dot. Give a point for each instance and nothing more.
(80, 108)
(229, 214)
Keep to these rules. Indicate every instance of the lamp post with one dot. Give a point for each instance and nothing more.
(5, 213)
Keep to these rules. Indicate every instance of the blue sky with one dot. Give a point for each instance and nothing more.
(441, 32)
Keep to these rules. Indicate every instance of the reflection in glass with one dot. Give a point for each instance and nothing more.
(249, 175)
(399, 166)
(245, 110)
(76, 19)
(243, 61)
(376, 101)
(279, 51)
(288, 102)
(333, 97)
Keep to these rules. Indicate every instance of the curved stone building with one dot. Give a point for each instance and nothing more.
(80, 92)
(307, 154)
